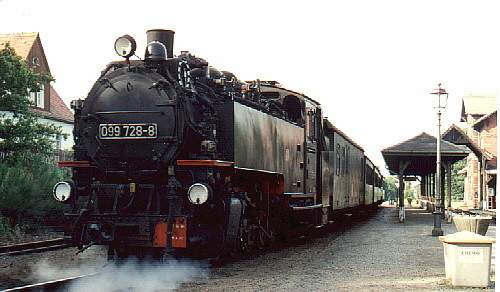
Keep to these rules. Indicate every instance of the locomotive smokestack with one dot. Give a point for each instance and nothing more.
(166, 37)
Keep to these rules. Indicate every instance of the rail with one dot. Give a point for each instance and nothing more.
(475, 212)
(55, 285)
(33, 247)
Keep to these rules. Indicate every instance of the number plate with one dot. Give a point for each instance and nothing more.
(127, 131)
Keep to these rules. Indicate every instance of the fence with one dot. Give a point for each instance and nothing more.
(62, 155)
(57, 155)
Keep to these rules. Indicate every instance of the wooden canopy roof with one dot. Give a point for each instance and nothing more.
(417, 155)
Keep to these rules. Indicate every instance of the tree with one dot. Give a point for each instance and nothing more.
(26, 176)
(21, 133)
(409, 192)
(457, 180)
(390, 188)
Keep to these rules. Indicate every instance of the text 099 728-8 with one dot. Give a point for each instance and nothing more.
(127, 131)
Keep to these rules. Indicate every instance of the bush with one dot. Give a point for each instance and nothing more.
(4, 226)
(26, 191)
(11, 233)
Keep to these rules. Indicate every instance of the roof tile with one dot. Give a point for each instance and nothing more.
(21, 42)
(425, 143)
(58, 109)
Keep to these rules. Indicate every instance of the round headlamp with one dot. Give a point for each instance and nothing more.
(125, 46)
(198, 193)
(62, 191)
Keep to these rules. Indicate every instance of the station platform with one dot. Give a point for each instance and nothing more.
(372, 254)
(426, 250)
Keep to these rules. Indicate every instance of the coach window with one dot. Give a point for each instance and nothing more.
(347, 162)
(337, 169)
(362, 165)
(343, 160)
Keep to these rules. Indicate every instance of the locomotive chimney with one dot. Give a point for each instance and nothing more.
(166, 37)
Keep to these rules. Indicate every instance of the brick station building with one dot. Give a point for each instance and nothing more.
(478, 131)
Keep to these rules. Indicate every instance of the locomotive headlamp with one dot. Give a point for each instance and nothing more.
(62, 191)
(125, 46)
(198, 193)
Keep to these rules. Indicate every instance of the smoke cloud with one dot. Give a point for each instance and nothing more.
(129, 275)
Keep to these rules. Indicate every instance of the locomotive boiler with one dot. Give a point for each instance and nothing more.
(173, 156)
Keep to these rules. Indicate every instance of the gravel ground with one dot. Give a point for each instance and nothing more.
(373, 254)
(27, 269)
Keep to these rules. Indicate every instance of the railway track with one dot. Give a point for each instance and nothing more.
(475, 212)
(33, 247)
(55, 285)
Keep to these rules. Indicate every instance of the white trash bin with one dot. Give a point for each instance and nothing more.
(467, 258)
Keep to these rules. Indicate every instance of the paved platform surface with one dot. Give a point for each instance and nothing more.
(374, 254)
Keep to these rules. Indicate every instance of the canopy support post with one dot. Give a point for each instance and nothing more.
(448, 184)
(402, 166)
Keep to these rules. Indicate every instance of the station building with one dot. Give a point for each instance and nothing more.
(477, 130)
(47, 102)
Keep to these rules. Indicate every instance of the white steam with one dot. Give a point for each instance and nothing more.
(45, 270)
(131, 275)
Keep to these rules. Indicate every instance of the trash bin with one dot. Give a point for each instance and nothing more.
(467, 258)
(473, 223)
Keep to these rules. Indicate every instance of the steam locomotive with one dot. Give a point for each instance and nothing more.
(173, 156)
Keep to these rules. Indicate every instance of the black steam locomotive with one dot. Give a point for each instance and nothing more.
(172, 156)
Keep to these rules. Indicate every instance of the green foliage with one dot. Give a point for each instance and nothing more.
(21, 133)
(10, 232)
(409, 193)
(4, 226)
(390, 188)
(457, 180)
(26, 190)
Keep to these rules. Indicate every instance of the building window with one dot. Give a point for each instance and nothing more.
(35, 62)
(38, 98)
(58, 142)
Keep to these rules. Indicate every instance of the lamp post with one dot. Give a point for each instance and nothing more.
(438, 209)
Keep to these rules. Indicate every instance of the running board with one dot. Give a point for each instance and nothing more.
(308, 207)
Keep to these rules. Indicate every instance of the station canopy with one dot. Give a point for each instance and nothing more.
(417, 155)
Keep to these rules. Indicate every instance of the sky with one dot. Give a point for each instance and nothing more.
(371, 64)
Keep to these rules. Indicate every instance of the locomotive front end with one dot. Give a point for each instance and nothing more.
(128, 190)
